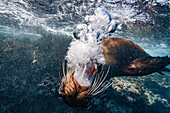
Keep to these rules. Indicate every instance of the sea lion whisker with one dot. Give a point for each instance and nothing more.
(104, 88)
(102, 80)
(100, 95)
(63, 65)
(68, 72)
(101, 85)
(98, 79)
(99, 91)
(96, 82)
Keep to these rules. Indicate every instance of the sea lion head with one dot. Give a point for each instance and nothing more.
(75, 94)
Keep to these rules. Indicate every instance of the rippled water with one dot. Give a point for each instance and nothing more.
(35, 36)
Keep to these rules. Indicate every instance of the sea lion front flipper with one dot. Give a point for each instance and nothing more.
(147, 65)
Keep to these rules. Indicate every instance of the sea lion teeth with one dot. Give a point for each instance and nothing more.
(95, 65)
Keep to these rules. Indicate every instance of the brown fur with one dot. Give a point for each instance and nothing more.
(119, 50)
(72, 87)
(129, 59)
(73, 94)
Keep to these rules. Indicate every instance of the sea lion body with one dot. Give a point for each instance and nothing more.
(128, 59)
(119, 51)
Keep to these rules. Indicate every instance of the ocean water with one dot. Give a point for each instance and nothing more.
(34, 40)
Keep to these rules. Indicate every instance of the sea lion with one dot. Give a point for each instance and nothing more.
(125, 58)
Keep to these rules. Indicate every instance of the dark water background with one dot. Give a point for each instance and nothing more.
(35, 35)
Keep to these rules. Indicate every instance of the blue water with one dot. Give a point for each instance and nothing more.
(35, 36)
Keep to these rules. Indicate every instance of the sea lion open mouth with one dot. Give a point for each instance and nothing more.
(91, 69)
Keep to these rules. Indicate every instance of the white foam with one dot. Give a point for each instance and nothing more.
(82, 50)
(79, 54)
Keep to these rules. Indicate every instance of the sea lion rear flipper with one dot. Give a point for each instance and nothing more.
(147, 65)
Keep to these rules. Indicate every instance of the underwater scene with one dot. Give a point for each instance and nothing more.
(44, 42)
